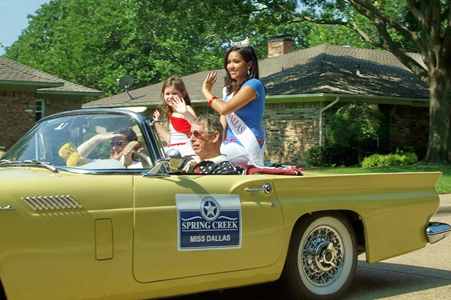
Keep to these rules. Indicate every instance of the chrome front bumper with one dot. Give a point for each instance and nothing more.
(437, 231)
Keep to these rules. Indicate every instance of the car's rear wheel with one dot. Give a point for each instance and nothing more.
(322, 258)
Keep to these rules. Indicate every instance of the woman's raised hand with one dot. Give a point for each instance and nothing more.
(210, 81)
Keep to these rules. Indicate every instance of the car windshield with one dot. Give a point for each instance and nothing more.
(85, 141)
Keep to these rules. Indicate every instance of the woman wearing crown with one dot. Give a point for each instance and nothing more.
(242, 107)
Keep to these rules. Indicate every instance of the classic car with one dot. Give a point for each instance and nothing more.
(75, 227)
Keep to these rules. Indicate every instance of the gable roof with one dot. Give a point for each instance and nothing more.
(341, 70)
(322, 69)
(151, 94)
(16, 74)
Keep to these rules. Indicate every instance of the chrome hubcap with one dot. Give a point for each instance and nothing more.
(322, 256)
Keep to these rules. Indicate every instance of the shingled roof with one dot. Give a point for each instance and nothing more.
(322, 69)
(341, 70)
(151, 95)
(16, 74)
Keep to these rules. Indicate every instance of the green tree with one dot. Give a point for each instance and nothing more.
(399, 26)
(356, 125)
(93, 42)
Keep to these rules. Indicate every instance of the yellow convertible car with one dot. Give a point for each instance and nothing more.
(78, 222)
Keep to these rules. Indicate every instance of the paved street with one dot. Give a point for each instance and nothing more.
(423, 274)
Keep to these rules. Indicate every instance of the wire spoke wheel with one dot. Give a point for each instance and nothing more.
(322, 257)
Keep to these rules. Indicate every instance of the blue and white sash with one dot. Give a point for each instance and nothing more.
(245, 135)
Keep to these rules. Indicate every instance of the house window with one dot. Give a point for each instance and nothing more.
(40, 109)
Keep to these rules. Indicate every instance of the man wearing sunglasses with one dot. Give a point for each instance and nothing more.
(206, 138)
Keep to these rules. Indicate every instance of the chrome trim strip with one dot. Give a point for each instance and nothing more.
(51, 202)
(8, 207)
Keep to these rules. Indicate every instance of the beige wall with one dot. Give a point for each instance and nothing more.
(291, 129)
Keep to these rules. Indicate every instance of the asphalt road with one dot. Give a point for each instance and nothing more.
(423, 274)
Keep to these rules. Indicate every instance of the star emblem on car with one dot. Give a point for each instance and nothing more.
(209, 209)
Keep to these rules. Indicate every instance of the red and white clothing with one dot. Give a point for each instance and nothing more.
(179, 128)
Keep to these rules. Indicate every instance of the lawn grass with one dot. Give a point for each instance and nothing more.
(443, 186)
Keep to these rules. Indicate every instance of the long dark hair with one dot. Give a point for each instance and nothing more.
(179, 85)
(248, 54)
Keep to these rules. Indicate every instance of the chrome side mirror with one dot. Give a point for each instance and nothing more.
(175, 159)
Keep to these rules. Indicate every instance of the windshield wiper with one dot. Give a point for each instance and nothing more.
(7, 162)
(41, 163)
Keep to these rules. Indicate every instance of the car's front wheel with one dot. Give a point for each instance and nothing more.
(322, 258)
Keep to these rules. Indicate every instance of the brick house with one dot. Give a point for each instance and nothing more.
(306, 87)
(27, 94)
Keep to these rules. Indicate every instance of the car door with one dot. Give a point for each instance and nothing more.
(67, 229)
(189, 225)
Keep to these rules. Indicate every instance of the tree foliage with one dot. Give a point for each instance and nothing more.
(398, 26)
(355, 125)
(94, 42)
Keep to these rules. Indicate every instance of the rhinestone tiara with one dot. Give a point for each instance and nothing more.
(243, 43)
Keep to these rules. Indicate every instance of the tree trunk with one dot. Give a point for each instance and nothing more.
(439, 145)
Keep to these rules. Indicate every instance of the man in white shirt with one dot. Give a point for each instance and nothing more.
(206, 138)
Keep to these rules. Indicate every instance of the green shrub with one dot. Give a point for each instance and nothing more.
(398, 159)
(327, 156)
(356, 125)
(316, 156)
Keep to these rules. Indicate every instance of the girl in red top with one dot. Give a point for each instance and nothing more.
(176, 108)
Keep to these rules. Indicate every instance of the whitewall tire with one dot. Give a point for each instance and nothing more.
(322, 257)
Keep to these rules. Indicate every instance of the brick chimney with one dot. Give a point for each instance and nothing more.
(279, 45)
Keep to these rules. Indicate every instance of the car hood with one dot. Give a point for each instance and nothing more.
(23, 172)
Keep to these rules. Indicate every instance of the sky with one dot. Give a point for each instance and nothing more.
(13, 19)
